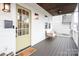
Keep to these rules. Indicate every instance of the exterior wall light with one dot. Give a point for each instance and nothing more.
(36, 16)
(6, 7)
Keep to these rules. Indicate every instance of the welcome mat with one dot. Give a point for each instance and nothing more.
(28, 51)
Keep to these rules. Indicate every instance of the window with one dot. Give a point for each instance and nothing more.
(66, 18)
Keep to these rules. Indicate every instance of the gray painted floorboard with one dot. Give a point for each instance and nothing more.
(60, 46)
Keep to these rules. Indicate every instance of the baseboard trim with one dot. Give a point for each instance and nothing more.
(22, 49)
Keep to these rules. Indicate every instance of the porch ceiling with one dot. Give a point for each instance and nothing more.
(58, 8)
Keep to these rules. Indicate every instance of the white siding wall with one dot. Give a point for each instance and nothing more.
(7, 36)
(58, 26)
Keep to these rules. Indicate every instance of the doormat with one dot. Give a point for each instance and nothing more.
(28, 51)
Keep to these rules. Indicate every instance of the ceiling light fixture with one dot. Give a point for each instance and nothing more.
(59, 11)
